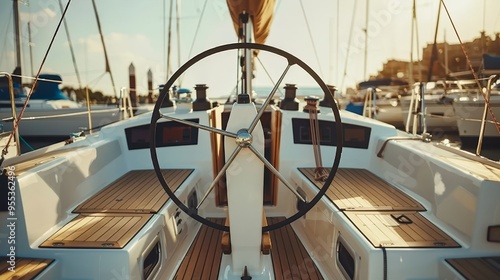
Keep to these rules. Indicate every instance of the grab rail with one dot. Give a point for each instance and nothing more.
(491, 80)
(415, 111)
(125, 104)
(370, 104)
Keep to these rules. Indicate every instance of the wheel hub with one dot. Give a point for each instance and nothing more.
(243, 138)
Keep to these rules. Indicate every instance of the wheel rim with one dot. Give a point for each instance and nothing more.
(292, 60)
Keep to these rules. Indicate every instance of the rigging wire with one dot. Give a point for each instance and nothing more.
(310, 36)
(195, 34)
(349, 44)
(16, 123)
(197, 28)
(70, 48)
(108, 68)
(178, 23)
(476, 79)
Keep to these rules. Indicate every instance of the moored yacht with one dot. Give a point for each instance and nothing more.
(49, 113)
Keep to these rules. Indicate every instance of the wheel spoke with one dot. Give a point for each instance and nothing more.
(219, 175)
(268, 100)
(200, 126)
(276, 172)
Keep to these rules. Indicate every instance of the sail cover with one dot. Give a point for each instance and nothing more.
(261, 13)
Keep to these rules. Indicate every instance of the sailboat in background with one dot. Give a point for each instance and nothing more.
(49, 115)
(467, 103)
(479, 114)
(377, 98)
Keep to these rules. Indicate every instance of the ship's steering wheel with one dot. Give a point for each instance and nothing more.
(292, 60)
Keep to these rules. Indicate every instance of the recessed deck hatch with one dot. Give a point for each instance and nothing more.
(360, 190)
(138, 191)
(100, 231)
(399, 230)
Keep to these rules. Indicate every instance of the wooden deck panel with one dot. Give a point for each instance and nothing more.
(290, 258)
(477, 268)
(25, 268)
(361, 190)
(413, 231)
(137, 191)
(203, 259)
(99, 230)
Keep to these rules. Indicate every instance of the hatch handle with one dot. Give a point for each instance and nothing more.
(402, 219)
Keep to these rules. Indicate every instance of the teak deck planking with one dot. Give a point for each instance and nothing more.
(98, 230)
(359, 189)
(138, 191)
(477, 268)
(25, 268)
(114, 215)
(385, 215)
(290, 258)
(203, 259)
(382, 229)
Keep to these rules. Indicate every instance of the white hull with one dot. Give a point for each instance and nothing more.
(387, 111)
(439, 113)
(470, 112)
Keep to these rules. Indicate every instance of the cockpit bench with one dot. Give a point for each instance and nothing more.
(385, 215)
(114, 215)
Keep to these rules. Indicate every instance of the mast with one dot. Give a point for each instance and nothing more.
(169, 63)
(17, 32)
(411, 80)
(446, 69)
(366, 41)
(178, 22)
(434, 46)
(248, 71)
(30, 44)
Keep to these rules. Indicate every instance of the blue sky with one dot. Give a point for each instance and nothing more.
(316, 31)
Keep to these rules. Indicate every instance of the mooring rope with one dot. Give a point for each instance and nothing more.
(320, 173)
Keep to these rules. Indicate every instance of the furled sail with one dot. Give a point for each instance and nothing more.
(261, 13)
